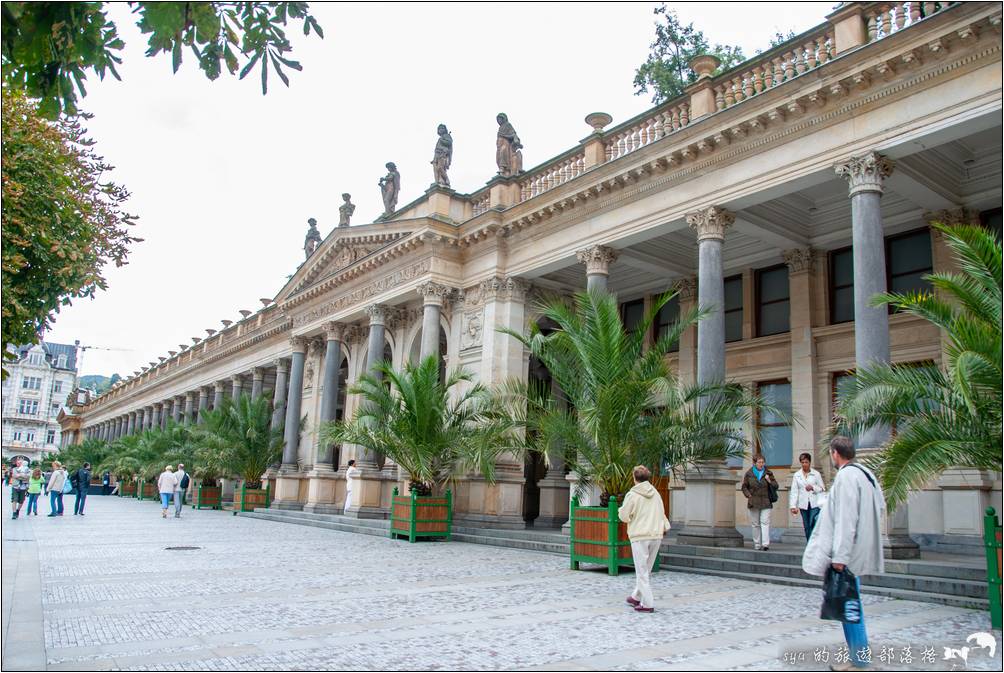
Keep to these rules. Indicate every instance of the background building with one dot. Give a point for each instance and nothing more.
(34, 393)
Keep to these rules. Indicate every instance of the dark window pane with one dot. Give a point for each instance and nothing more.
(734, 326)
(633, 311)
(668, 315)
(775, 432)
(843, 305)
(910, 282)
(842, 268)
(775, 445)
(776, 395)
(910, 253)
(733, 293)
(773, 318)
(773, 284)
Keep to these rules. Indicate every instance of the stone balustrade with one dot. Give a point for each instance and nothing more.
(799, 56)
(885, 18)
(638, 133)
(551, 175)
(482, 201)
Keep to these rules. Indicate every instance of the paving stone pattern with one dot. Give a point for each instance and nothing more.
(259, 595)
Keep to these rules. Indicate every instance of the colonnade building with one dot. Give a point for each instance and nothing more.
(781, 194)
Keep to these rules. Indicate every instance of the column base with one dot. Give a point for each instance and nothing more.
(367, 496)
(554, 500)
(900, 547)
(323, 508)
(711, 508)
(498, 521)
(701, 536)
(287, 492)
(322, 490)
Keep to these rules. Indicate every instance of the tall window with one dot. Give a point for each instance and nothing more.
(666, 318)
(991, 220)
(50, 436)
(734, 308)
(31, 383)
(17, 436)
(36, 358)
(29, 436)
(840, 383)
(632, 313)
(774, 431)
(29, 407)
(57, 386)
(772, 300)
(841, 286)
(908, 260)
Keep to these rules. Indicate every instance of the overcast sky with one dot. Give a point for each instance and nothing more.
(224, 179)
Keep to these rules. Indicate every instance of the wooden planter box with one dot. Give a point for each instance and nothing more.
(596, 535)
(208, 496)
(148, 492)
(127, 489)
(247, 499)
(414, 516)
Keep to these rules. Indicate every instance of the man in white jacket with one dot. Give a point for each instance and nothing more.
(853, 532)
(646, 518)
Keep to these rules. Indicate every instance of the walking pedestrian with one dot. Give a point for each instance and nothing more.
(806, 492)
(646, 521)
(19, 477)
(166, 484)
(106, 480)
(350, 474)
(849, 535)
(81, 481)
(57, 480)
(35, 484)
(757, 484)
(182, 488)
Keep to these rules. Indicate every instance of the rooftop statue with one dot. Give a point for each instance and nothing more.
(312, 240)
(345, 210)
(507, 148)
(443, 157)
(390, 185)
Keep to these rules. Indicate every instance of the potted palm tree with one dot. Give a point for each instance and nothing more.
(432, 432)
(948, 416)
(622, 407)
(238, 438)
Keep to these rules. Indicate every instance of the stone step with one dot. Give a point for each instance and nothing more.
(766, 568)
(815, 583)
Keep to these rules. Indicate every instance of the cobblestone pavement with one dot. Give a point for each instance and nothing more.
(102, 592)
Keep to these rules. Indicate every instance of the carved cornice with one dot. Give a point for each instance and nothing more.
(799, 259)
(597, 259)
(710, 223)
(866, 173)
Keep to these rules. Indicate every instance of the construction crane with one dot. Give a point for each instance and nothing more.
(80, 358)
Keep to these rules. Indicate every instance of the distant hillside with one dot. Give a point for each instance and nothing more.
(97, 382)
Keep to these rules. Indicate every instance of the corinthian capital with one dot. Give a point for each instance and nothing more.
(688, 289)
(334, 331)
(434, 293)
(597, 258)
(866, 173)
(298, 343)
(799, 259)
(710, 223)
(377, 314)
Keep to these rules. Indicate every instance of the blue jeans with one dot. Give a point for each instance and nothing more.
(56, 502)
(809, 517)
(78, 504)
(165, 500)
(33, 503)
(179, 501)
(856, 635)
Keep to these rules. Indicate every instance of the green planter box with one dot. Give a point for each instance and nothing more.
(415, 516)
(596, 535)
(208, 496)
(247, 499)
(147, 491)
(127, 489)
(992, 542)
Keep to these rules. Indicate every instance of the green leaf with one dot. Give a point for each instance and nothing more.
(176, 56)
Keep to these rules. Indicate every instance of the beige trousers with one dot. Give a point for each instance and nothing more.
(760, 521)
(643, 552)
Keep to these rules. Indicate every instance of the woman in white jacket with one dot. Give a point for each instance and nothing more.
(166, 485)
(806, 492)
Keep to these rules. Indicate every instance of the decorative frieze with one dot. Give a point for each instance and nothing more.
(866, 173)
(710, 223)
(597, 259)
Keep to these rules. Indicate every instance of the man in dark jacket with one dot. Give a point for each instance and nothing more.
(81, 481)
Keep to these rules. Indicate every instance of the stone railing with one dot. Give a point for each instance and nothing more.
(804, 53)
(551, 175)
(666, 119)
(885, 18)
(481, 201)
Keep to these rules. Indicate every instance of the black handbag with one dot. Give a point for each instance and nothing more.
(771, 491)
(841, 599)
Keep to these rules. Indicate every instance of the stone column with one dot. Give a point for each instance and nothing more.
(279, 396)
(203, 403)
(710, 495)
(257, 378)
(236, 386)
(433, 297)
(166, 414)
(189, 408)
(176, 408)
(321, 489)
(287, 488)
(141, 420)
(597, 260)
(865, 176)
(218, 394)
(155, 417)
(130, 422)
(120, 427)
